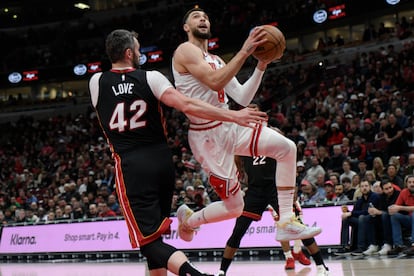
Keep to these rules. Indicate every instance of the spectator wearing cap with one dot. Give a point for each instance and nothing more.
(300, 172)
(201, 189)
(368, 133)
(335, 135)
(329, 191)
(309, 193)
(314, 170)
(189, 192)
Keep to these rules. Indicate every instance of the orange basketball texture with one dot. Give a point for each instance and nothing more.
(274, 47)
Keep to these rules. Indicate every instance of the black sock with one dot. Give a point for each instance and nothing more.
(317, 257)
(187, 269)
(225, 263)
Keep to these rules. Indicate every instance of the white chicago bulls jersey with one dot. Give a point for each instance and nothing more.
(193, 88)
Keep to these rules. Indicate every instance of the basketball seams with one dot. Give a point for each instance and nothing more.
(273, 47)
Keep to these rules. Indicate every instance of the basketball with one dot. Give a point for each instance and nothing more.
(274, 47)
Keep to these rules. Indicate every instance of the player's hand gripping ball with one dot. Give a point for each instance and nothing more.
(273, 48)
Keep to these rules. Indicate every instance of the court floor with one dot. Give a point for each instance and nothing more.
(240, 267)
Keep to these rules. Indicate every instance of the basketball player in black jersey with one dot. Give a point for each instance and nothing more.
(127, 101)
(261, 192)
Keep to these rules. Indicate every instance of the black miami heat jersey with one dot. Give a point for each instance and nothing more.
(128, 111)
(260, 170)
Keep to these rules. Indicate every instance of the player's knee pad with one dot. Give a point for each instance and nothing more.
(242, 224)
(307, 242)
(157, 253)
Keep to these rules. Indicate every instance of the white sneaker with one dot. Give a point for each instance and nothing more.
(220, 273)
(294, 230)
(372, 249)
(385, 249)
(185, 232)
(321, 270)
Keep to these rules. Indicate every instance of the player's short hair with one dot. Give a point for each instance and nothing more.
(187, 14)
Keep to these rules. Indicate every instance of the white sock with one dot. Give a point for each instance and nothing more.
(285, 198)
(297, 246)
(288, 254)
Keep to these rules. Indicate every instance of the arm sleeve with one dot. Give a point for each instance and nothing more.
(158, 83)
(243, 94)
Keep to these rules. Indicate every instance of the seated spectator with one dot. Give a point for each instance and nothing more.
(113, 204)
(336, 160)
(348, 189)
(356, 184)
(377, 188)
(347, 172)
(402, 217)
(362, 223)
(409, 167)
(314, 170)
(393, 176)
(92, 212)
(362, 168)
(388, 198)
(104, 210)
(340, 196)
(310, 194)
(329, 191)
(378, 168)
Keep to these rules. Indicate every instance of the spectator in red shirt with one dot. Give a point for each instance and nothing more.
(402, 216)
(335, 136)
(105, 211)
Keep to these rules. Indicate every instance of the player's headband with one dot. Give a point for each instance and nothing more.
(187, 14)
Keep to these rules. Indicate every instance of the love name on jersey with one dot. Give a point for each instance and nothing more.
(123, 88)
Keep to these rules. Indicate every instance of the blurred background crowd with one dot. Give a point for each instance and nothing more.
(351, 119)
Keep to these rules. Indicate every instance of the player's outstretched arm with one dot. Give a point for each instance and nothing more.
(195, 107)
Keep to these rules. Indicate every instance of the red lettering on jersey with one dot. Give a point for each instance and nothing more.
(220, 93)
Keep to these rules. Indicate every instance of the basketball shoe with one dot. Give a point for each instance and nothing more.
(321, 270)
(185, 232)
(301, 257)
(294, 230)
(290, 264)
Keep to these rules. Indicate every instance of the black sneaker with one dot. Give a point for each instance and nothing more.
(344, 251)
(358, 252)
(409, 251)
(397, 250)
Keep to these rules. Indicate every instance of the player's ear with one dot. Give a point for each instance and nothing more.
(186, 28)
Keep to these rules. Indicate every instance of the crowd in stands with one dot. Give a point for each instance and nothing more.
(355, 124)
(39, 45)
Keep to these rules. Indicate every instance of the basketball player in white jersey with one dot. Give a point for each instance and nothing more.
(199, 74)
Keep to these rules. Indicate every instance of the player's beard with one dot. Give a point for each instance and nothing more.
(198, 34)
(135, 61)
